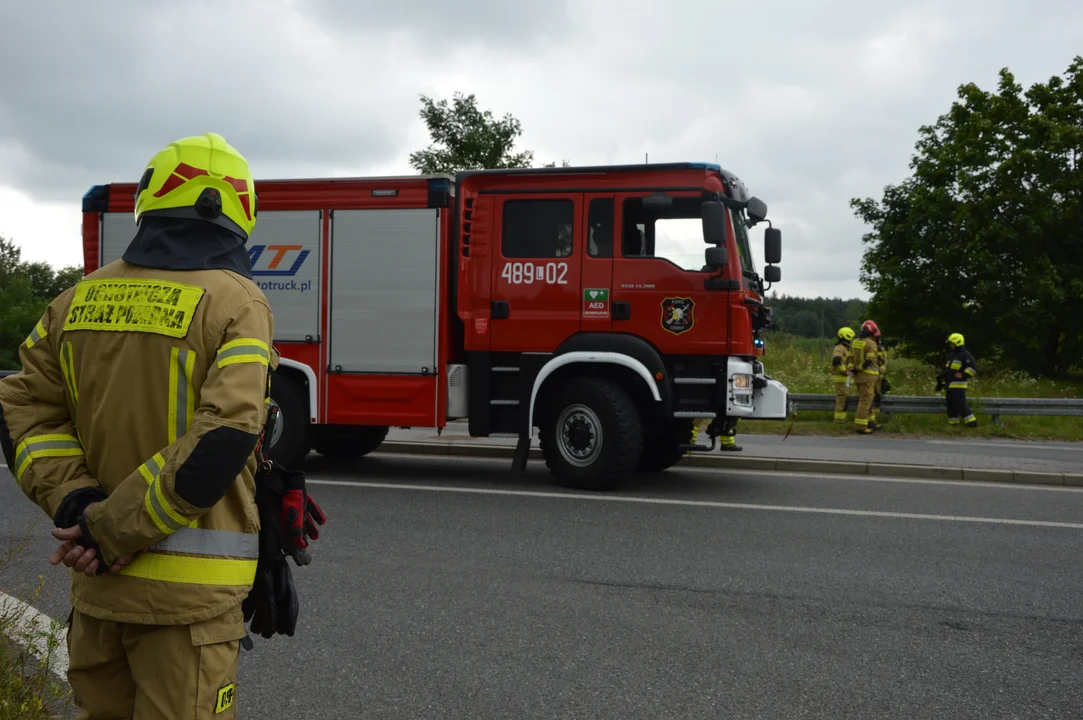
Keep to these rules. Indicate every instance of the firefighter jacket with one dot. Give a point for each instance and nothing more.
(864, 358)
(146, 389)
(840, 363)
(881, 359)
(959, 361)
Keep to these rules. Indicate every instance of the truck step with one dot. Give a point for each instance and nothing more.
(694, 381)
(503, 369)
(694, 414)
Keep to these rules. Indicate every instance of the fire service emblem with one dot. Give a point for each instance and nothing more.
(678, 315)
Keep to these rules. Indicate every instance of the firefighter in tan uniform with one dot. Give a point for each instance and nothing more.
(865, 361)
(881, 386)
(842, 372)
(133, 424)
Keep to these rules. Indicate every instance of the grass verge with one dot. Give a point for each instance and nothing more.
(28, 690)
(798, 364)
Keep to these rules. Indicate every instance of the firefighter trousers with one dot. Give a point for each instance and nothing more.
(865, 392)
(958, 409)
(130, 670)
(842, 392)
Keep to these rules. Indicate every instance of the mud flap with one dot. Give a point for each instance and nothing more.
(522, 454)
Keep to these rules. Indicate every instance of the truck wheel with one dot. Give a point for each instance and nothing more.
(665, 451)
(289, 441)
(350, 442)
(591, 434)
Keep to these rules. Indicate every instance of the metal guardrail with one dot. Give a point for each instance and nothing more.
(936, 405)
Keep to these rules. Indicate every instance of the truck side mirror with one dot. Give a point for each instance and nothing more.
(772, 246)
(772, 273)
(716, 257)
(756, 209)
(714, 223)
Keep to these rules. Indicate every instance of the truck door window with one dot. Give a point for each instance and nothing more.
(600, 228)
(537, 228)
(675, 234)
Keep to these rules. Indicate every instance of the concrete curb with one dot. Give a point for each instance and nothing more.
(734, 462)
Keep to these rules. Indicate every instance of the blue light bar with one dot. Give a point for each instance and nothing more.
(96, 199)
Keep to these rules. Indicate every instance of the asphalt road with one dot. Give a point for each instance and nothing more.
(441, 589)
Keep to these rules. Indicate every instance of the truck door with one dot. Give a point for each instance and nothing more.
(658, 278)
(536, 271)
(597, 254)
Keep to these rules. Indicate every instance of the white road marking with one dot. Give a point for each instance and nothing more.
(703, 503)
(33, 627)
(3, 465)
(1014, 445)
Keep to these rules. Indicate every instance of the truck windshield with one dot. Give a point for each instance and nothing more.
(748, 268)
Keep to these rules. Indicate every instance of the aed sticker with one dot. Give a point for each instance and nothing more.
(481, 325)
(226, 696)
(596, 303)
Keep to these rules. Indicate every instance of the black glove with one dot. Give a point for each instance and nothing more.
(885, 387)
(939, 383)
(272, 604)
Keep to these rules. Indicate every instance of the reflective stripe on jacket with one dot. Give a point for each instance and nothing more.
(840, 363)
(863, 357)
(151, 385)
(960, 360)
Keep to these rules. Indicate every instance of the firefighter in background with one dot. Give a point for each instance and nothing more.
(882, 386)
(842, 372)
(727, 432)
(864, 357)
(958, 370)
(132, 424)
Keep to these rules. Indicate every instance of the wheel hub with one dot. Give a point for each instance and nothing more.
(579, 435)
(276, 435)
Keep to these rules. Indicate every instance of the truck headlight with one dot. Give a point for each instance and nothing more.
(742, 382)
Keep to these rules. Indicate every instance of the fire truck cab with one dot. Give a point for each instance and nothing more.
(608, 307)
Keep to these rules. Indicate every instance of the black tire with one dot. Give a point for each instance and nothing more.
(665, 451)
(293, 444)
(346, 442)
(617, 455)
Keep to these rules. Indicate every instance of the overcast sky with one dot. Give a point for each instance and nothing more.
(810, 104)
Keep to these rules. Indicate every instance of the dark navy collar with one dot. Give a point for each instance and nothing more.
(174, 244)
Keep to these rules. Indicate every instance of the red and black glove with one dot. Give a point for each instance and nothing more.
(300, 515)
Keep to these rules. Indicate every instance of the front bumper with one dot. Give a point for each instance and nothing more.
(751, 394)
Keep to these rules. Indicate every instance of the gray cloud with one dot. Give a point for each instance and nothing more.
(810, 107)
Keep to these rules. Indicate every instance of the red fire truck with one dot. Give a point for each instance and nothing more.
(560, 299)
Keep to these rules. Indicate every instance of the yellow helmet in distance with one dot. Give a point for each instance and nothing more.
(956, 339)
(846, 334)
(201, 177)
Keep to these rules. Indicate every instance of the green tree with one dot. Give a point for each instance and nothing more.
(465, 137)
(26, 289)
(986, 236)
